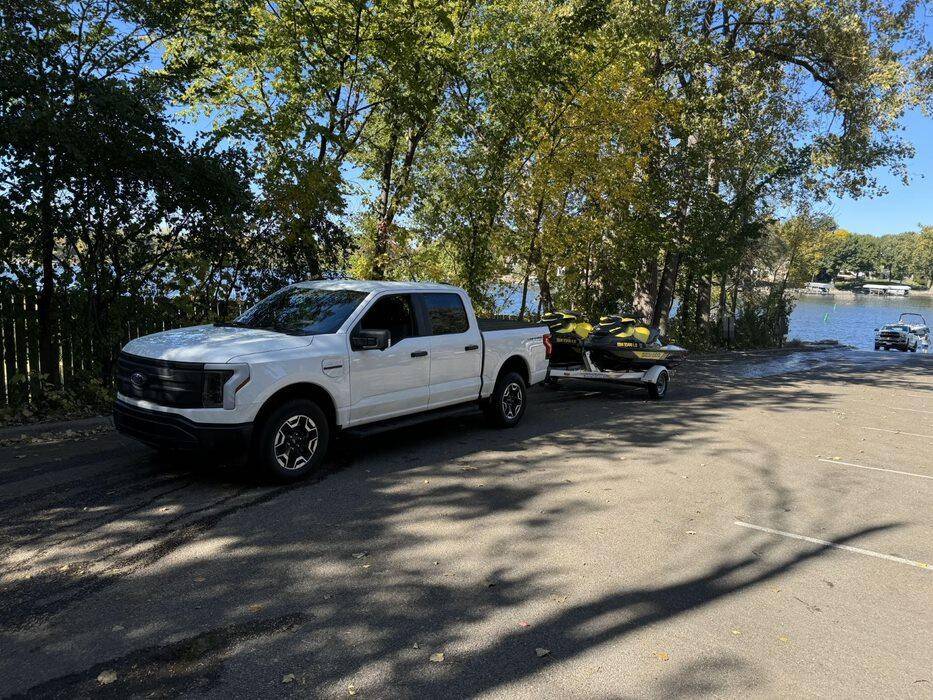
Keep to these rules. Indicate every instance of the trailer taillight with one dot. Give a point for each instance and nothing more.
(548, 345)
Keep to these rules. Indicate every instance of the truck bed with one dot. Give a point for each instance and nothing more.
(503, 324)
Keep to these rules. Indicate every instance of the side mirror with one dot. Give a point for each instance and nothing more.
(370, 340)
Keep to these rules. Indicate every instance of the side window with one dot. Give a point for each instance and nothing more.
(446, 313)
(393, 313)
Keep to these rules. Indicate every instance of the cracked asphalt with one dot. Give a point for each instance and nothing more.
(763, 531)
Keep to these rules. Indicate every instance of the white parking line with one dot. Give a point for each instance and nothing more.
(875, 469)
(896, 432)
(847, 548)
(901, 408)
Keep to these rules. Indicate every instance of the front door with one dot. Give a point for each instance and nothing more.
(394, 381)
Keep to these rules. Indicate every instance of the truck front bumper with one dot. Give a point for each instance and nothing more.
(163, 429)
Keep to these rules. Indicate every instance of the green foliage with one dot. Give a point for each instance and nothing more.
(86, 396)
(614, 156)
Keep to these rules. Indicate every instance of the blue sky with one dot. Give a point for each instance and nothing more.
(904, 207)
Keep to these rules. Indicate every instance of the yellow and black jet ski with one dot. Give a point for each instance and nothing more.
(568, 331)
(619, 344)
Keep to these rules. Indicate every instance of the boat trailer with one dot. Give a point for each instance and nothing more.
(656, 378)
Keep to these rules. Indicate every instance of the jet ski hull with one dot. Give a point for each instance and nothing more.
(621, 359)
(621, 344)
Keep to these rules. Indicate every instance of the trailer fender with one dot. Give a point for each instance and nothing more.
(651, 376)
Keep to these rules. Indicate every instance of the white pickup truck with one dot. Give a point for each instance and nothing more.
(317, 357)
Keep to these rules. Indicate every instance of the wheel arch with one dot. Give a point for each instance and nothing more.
(300, 390)
(515, 363)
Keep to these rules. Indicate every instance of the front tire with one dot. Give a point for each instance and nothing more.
(506, 406)
(293, 440)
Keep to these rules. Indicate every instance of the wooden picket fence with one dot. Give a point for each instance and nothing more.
(78, 355)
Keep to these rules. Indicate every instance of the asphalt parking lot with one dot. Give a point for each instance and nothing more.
(764, 531)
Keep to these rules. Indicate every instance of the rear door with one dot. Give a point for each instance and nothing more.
(394, 381)
(456, 349)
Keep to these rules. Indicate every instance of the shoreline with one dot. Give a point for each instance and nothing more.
(927, 293)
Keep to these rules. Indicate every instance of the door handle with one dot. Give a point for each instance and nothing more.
(420, 353)
(471, 347)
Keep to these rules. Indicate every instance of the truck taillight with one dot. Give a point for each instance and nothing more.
(548, 346)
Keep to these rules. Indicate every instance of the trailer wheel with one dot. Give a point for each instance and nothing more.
(657, 390)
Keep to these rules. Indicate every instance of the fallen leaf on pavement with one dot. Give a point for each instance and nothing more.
(256, 607)
(359, 555)
(106, 677)
(784, 639)
(737, 632)
(523, 624)
(662, 655)
(691, 532)
(541, 651)
(438, 657)
(351, 689)
(288, 677)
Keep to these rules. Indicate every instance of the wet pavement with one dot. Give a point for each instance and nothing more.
(762, 531)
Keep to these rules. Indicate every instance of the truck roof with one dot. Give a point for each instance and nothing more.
(373, 286)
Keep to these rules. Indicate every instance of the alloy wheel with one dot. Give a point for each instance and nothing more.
(512, 400)
(295, 442)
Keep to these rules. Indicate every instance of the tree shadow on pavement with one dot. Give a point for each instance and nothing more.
(193, 582)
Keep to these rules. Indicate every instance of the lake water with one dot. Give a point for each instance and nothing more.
(851, 319)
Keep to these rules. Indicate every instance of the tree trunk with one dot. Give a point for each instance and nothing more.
(722, 296)
(545, 301)
(532, 255)
(646, 289)
(381, 240)
(684, 311)
(665, 296)
(704, 291)
(48, 357)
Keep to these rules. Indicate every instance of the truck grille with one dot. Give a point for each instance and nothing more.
(163, 382)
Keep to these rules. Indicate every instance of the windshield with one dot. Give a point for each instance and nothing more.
(302, 311)
(896, 328)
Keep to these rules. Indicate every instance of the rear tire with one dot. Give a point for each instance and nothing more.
(506, 406)
(293, 440)
(658, 390)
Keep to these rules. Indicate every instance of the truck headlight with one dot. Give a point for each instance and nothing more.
(221, 383)
(212, 394)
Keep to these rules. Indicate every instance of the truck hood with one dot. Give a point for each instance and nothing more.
(211, 343)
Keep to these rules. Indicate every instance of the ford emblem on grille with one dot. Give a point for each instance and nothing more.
(138, 379)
